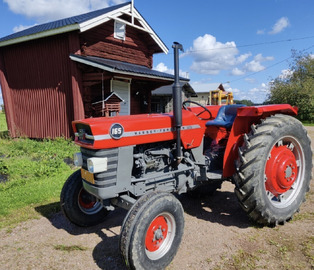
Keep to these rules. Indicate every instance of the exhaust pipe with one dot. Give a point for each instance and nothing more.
(177, 100)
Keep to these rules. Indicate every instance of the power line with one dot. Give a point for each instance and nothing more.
(249, 45)
(253, 44)
(275, 64)
(276, 41)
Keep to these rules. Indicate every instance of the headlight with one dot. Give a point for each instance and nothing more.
(96, 165)
(78, 160)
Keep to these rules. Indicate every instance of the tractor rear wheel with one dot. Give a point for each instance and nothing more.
(80, 207)
(274, 170)
(152, 231)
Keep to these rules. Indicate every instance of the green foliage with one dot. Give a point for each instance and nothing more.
(3, 123)
(244, 101)
(32, 172)
(296, 89)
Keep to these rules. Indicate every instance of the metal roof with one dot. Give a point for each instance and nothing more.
(167, 90)
(209, 87)
(83, 23)
(119, 67)
(61, 23)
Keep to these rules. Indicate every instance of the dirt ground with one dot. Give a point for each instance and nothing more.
(217, 235)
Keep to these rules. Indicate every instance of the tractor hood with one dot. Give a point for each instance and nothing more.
(118, 131)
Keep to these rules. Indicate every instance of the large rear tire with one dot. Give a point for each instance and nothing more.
(80, 207)
(152, 231)
(274, 170)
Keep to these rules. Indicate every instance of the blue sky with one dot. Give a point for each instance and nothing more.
(243, 44)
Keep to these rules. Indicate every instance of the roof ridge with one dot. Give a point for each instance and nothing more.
(65, 22)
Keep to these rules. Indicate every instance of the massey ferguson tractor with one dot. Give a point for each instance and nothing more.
(138, 162)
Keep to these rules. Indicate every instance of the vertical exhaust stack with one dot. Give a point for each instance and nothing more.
(177, 99)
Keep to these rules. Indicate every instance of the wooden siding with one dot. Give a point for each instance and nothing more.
(40, 88)
(100, 42)
(76, 77)
(44, 91)
(6, 93)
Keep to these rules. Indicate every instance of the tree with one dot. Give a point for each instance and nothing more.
(244, 101)
(296, 87)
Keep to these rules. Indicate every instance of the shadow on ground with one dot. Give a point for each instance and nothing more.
(221, 208)
(106, 254)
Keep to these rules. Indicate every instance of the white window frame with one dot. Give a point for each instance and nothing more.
(119, 30)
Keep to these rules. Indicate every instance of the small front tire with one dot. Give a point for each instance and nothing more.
(80, 207)
(152, 231)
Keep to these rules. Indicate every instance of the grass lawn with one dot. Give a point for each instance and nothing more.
(3, 123)
(32, 173)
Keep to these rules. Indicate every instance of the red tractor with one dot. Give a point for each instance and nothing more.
(136, 162)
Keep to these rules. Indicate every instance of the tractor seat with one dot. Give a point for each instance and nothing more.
(225, 116)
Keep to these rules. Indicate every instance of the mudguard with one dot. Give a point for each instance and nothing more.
(246, 116)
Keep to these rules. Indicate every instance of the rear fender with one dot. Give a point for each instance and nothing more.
(246, 116)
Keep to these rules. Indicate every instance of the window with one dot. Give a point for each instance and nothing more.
(119, 30)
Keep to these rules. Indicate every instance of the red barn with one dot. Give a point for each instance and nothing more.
(54, 73)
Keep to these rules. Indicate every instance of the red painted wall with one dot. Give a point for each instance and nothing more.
(100, 42)
(42, 88)
(39, 79)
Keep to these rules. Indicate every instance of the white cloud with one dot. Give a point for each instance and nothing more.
(285, 74)
(237, 72)
(280, 25)
(161, 67)
(250, 80)
(260, 58)
(243, 57)
(260, 32)
(254, 90)
(255, 65)
(258, 94)
(22, 27)
(49, 10)
(211, 56)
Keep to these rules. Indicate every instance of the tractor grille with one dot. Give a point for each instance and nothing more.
(108, 178)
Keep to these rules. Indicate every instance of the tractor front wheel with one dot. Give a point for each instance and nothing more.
(80, 207)
(274, 170)
(152, 231)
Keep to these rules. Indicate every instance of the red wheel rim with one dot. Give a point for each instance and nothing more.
(156, 233)
(281, 170)
(85, 200)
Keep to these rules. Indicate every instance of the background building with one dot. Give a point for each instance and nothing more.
(54, 73)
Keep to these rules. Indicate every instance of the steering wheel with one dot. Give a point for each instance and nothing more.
(200, 105)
